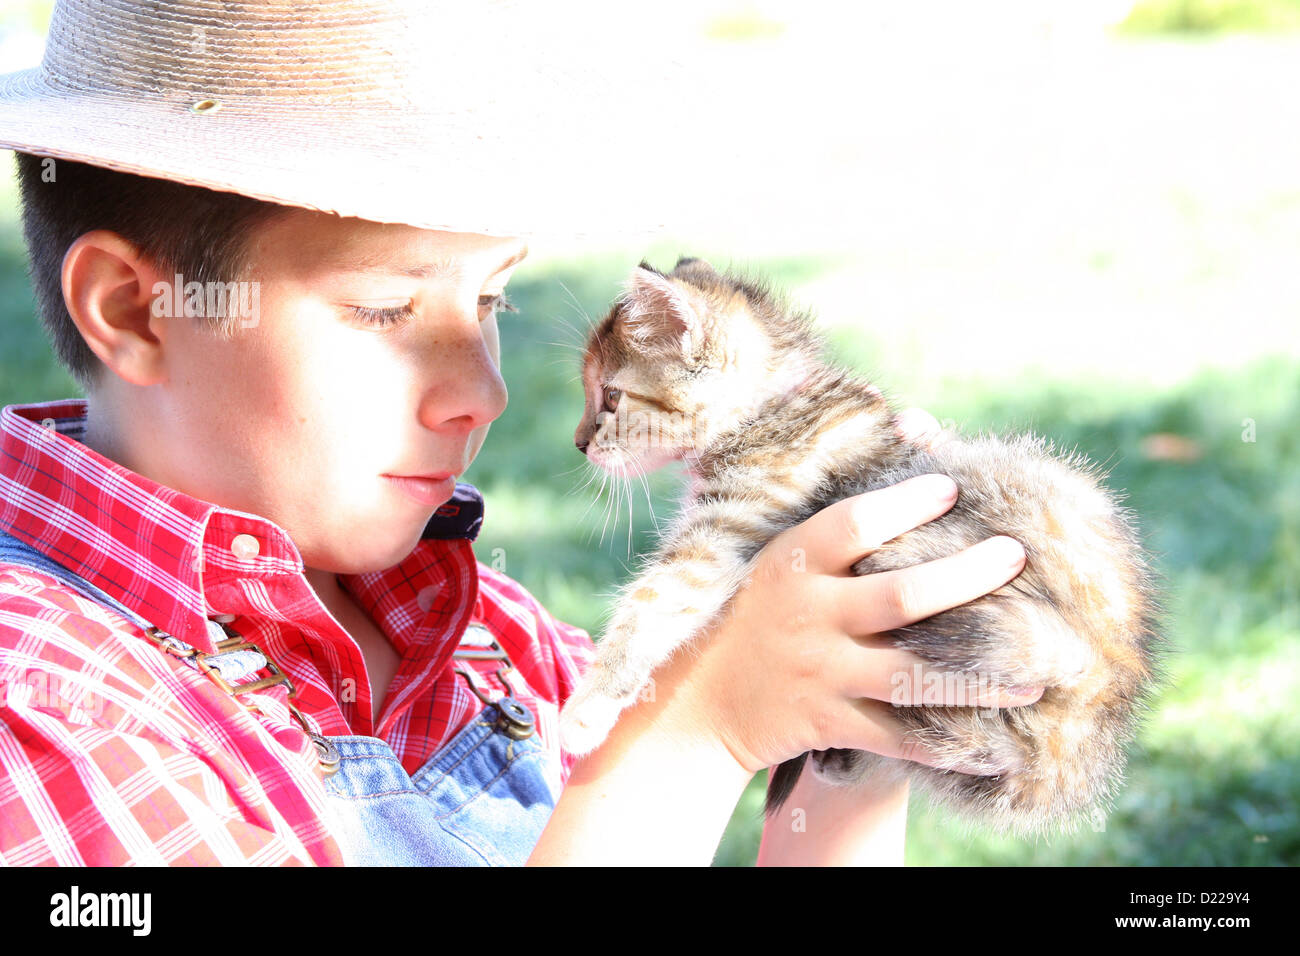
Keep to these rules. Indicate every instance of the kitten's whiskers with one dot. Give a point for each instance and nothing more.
(631, 515)
(577, 307)
(645, 485)
(604, 477)
(609, 510)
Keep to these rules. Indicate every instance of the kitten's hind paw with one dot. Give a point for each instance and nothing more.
(586, 722)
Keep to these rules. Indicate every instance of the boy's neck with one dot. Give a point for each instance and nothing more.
(102, 437)
(327, 588)
(101, 434)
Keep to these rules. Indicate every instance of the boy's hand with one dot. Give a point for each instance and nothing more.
(800, 662)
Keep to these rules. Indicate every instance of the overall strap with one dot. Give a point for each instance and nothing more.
(233, 665)
(234, 660)
(15, 552)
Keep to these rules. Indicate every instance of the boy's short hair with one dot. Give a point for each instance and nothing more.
(198, 233)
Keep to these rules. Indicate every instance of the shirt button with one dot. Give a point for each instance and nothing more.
(224, 618)
(245, 547)
(426, 597)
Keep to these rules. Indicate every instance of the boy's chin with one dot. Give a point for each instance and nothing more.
(375, 550)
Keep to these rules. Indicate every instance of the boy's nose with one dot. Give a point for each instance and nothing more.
(486, 399)
(476, 396)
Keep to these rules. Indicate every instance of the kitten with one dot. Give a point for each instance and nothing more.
(715, 371)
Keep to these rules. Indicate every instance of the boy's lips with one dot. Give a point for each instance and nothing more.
(432, 489)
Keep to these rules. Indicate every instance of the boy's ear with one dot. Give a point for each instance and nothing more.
(109, 290)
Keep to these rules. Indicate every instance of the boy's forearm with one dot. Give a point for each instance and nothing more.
(825, 825)
(655, 793)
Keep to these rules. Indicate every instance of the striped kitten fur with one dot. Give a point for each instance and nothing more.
(715, 371)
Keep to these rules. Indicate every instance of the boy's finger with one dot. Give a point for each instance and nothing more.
(885, 673)
(883, 601)
(833, 539)
(871, 725)
(919, 427)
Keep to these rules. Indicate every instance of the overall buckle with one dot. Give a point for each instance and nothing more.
(327, 755)
(515, 720)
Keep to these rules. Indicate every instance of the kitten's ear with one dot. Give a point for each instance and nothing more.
(656, 314)
(694, 263)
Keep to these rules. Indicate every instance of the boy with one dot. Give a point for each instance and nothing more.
(240, 619)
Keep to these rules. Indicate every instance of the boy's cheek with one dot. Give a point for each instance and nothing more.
(492, 339)
(476, 439)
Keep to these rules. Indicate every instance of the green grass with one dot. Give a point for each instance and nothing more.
(743, 24)
(1212, 16)
(1214, 775)
(31, 14)
(27, 367)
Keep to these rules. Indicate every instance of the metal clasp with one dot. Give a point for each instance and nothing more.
(515, 719)
(237, 643)
(327, 755)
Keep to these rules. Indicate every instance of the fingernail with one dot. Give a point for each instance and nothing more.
(1007, 550)
(973, 770)
(1019, 693)
(941, 486)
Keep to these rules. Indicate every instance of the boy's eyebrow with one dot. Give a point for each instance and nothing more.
(449, 268)
(514, 260)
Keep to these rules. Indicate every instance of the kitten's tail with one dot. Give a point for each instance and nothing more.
(781, 781)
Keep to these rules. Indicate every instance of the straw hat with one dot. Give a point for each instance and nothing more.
(503, 118)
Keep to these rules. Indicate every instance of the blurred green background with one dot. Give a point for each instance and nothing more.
(1077, 218)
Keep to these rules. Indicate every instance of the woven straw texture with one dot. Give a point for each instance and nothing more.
(501, 118)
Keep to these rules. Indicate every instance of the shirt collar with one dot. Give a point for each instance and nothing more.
(167, 556)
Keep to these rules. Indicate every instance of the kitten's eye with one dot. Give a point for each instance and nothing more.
(492, 304)
(382, 318)
(612, 395)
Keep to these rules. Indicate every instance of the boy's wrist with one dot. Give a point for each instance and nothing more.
(823, 824)
(658, 791)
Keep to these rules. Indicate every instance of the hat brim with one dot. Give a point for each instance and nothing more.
(495, 170)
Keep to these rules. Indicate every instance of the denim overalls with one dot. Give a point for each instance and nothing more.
(481, 800)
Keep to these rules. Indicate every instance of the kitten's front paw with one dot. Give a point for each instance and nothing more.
(586, 722)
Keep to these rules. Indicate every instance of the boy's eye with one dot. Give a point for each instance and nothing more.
(382, 318)
(492, 304)
(612, 395)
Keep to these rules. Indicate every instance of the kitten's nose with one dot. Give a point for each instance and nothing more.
(581, 445)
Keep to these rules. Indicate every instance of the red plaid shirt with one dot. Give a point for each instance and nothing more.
(113, 752)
